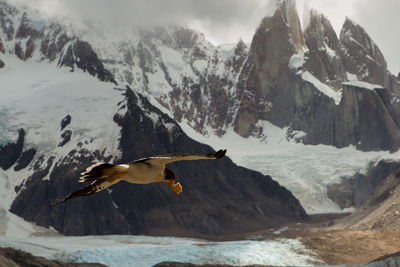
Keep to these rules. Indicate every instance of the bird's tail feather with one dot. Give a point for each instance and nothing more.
(217, 155)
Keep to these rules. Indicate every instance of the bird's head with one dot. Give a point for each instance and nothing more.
(169, 175)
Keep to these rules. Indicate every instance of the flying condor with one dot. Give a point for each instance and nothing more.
(142, 171)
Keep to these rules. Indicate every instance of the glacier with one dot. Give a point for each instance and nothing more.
(305, 170)
(143, 251)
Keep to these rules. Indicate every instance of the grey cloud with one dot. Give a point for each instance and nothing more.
(228, 20)
(221, 20)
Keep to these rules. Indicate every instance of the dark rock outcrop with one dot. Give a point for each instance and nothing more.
(10, 257)
(218, 199)
(65, 121)
(66, 136)
(2, 49)
(354, 191)
(25, 159)
(81, 55)
(10, 153)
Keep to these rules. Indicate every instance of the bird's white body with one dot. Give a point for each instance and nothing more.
(142, 173)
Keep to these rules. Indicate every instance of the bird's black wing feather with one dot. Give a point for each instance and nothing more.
(91, 189)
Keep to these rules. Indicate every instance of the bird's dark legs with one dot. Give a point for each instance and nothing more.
(177, 188)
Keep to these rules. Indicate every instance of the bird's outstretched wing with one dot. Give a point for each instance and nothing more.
(94, 187)
(168, 158)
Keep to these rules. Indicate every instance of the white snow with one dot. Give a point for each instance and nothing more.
(36, 97)
(175, 63)
(329, 51)
(363, 85)
(158, 85)
(296, 61)
(145, 251)
(46, 94)
(323, 88)
(200, 65)
(351, 76)
(305, 170)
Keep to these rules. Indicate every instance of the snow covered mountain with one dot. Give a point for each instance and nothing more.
(323, 88)
(61, 109)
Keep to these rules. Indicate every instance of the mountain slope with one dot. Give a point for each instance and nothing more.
(221, 200)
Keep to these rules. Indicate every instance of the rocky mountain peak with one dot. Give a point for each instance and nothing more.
(241, 48)
(354, 36)
(323, 57)
(289, 12)
(363, 58)
(319, 32)
(276, 39)
(25, 28)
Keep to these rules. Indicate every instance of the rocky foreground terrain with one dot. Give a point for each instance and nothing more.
(371, 232)
(10, 257)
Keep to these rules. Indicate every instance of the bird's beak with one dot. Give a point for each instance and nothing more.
(177, 188)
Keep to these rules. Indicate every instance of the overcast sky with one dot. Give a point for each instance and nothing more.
(226, 21)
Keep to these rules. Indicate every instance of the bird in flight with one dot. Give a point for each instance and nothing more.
(142, 171)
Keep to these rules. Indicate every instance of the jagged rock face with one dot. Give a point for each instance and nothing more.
(357, 40)
(217, 200)
(363, 57)
(202, 92)
(287, 93)
(277, 38)
(80, 53)
(362, 119)
(26, 33)
(323, 57)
